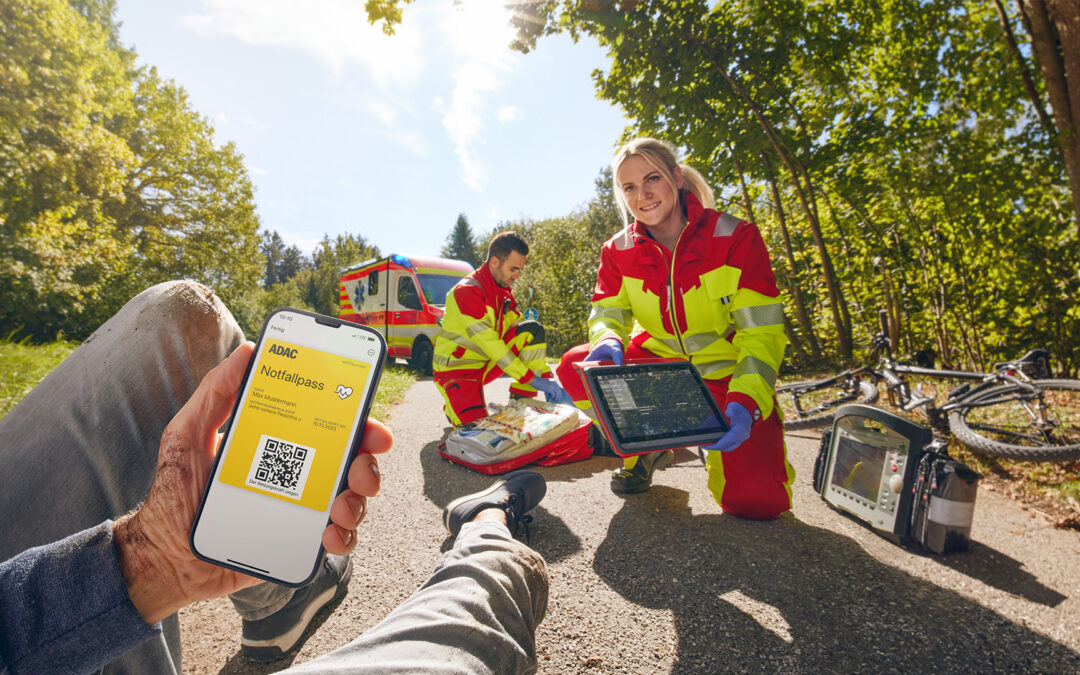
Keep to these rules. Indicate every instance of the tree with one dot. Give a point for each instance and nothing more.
(282, 262)
(323, 284)
(109, 181)
(1054, 28)
(60, 167)
(564, 254)
(461, 244)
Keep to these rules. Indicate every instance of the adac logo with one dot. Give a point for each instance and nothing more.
(283, 351)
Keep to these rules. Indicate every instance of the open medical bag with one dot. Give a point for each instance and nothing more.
(889, 472)
(524, 431)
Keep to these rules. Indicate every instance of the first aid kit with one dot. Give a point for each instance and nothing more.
(521, 432)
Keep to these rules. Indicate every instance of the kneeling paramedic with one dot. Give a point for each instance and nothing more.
(482, 337)
(686, 281)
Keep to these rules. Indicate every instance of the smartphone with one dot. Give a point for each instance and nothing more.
(286, 449)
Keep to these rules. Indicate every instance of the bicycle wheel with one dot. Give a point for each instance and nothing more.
(811, 404)
(1038, 424)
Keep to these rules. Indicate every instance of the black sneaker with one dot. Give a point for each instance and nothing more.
(516, 493)
(270, 638)
(639, 478)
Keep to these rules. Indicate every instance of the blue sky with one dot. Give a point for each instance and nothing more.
(344, 129)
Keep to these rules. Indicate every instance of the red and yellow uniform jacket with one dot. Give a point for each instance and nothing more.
(479, 323)
(713, 300)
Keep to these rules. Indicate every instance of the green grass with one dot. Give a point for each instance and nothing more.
(395, 381)
(22, 366)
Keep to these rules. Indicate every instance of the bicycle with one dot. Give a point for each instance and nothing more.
(1013, 412)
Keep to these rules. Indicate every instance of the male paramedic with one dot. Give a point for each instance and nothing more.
(482, 337)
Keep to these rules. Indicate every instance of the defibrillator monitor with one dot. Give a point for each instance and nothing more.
(645, 407)
(870, 464)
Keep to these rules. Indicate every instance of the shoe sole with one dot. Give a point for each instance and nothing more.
(468, 498)
(275, 649)
(661, 462)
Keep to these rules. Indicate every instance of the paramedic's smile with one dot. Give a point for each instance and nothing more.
(650, 197)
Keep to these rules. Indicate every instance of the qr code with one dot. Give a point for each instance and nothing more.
(280, 467)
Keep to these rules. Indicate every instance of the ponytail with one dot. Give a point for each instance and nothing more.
(695, 183)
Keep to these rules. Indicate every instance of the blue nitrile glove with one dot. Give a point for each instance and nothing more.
(607, 350)
(739, 420)
(553, 393)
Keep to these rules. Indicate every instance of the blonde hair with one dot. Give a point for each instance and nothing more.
(661, 157)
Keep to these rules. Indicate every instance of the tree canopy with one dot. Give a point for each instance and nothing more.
(109, 181)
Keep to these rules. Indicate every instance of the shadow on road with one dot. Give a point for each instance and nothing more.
(783, 595)
(445, 481)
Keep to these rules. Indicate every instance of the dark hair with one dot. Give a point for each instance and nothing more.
(504, 242)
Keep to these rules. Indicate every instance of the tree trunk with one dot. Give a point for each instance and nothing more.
(1054, 26)
(742, 183)
(801, 315)
(1025, 72)
(798, 174)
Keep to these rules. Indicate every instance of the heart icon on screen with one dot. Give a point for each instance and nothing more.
(344, 392)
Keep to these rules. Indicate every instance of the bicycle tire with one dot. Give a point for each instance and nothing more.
(987, 429)
(833, 395)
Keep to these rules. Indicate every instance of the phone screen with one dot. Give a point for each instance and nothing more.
(284, 455)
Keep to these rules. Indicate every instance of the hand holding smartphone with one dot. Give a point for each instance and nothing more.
(286, 449)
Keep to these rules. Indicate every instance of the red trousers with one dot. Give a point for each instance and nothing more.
(753, 480)
(463, 388)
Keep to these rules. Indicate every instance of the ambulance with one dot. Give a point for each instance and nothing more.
(403, 297)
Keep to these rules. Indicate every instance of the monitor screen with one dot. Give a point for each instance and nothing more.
(651, 403)
(858, 467)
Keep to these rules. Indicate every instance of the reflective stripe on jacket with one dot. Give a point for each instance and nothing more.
(479, 316)
(713, 300)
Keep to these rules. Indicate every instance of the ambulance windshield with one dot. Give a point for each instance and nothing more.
(436, 286)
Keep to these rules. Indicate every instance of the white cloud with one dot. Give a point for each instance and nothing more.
(478, 32)
(220, 120)
(305, 242)
(384, 112)
(508, 113)
(388, 115)
(463, 118)
(335, 31)
(412, 142)
(257, 171)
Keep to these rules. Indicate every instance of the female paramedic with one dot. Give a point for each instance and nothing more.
(684, 280)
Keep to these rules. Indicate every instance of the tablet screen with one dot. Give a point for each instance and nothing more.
(652, 403)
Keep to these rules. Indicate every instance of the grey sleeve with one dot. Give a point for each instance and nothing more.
(64, 606)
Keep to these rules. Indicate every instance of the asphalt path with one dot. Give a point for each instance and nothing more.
(665, 582)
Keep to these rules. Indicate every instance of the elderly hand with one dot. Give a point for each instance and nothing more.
(161, 572)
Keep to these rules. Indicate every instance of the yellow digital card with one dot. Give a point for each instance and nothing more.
(294, 427)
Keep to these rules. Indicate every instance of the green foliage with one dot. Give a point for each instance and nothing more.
(461, 244)
(901, 143)
(59, 166)
(109, 182)
(564, 254)
(282, 262)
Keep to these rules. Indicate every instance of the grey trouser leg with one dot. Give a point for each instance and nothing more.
(477, 613)
(82, 446)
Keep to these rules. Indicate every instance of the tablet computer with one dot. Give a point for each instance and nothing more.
(649, 406)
